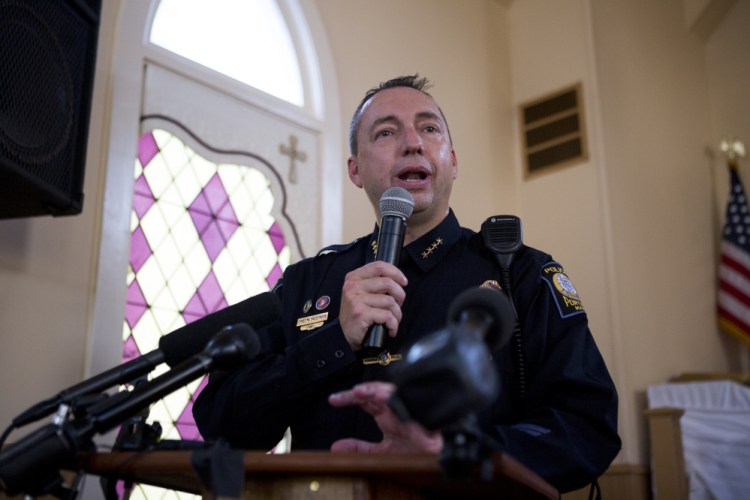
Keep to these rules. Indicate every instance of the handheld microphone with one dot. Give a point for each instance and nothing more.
(174, 348)
(396, 206)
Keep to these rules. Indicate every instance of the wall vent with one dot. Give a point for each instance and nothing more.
(553, 131)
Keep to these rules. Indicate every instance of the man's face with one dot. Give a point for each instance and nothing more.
(403, 141)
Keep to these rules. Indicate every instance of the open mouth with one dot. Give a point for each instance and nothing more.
(413, 175)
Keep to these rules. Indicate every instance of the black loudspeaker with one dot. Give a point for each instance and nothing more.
(47, 59)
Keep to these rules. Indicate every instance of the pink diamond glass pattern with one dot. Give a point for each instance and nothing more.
(215, 222)
(214, 217)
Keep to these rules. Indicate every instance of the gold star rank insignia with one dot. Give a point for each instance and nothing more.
(428, 251)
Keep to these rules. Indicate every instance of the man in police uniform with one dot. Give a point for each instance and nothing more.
(560, 420)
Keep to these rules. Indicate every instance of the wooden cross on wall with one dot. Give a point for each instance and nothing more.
(294, 154)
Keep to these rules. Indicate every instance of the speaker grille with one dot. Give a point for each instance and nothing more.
(47, 55)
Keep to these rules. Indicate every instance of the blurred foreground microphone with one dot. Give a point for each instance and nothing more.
(449, 374)
(396, 206)
(174, 348)
(185, 342)
(32, 464)
(485, 314)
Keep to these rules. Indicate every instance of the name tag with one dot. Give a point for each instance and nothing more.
(312, 322)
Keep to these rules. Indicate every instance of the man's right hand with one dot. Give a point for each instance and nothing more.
(371, 295)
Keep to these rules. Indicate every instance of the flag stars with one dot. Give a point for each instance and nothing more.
(737, 226)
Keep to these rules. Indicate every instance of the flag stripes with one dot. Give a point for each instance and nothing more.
(733, 298)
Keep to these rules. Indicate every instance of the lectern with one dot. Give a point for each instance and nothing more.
(326, 475)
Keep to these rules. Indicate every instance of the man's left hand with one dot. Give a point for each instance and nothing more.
(398, 436)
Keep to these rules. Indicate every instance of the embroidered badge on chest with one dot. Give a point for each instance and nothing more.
(564, 293)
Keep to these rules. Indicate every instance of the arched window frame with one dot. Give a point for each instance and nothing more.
(130, 51)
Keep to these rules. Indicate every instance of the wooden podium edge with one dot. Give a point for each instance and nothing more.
(418, 471)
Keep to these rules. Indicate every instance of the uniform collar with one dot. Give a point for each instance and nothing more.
(429, 249)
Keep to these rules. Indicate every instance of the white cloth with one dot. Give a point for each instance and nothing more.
(715, 435)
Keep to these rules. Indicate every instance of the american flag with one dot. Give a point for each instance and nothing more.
(734, 265)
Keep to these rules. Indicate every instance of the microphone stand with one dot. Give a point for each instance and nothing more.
(134, 435)
(124, 373)
(32, 464)
(455, 362)
(465, 450)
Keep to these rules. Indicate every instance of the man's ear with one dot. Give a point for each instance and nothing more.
(353, 167)
(455, 163)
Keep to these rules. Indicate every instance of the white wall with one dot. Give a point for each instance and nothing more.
(566, 211)
(728, 74)
(48, 271)
(656, 124)
(462, 48)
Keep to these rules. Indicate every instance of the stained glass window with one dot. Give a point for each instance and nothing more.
(203, 234)
(202, 237)
(247, 40)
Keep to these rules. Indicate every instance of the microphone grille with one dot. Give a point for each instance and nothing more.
(397, 201)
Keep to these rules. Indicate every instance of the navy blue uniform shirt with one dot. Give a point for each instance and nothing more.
(565, 428)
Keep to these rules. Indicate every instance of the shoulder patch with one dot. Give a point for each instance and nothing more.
(564, 293)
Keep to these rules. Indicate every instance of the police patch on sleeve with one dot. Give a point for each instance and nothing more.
(564, 293)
